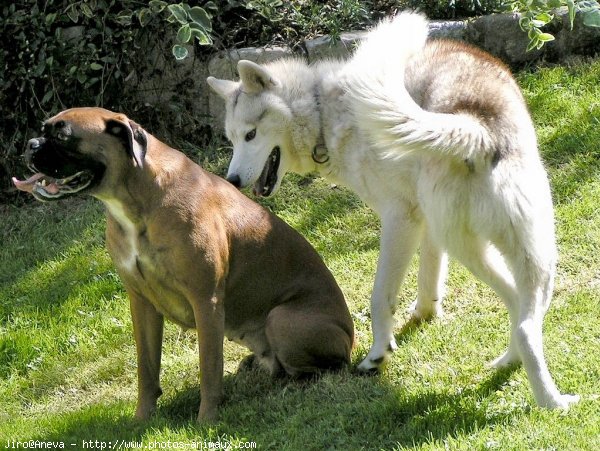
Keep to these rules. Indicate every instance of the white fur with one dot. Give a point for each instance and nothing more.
(437, 139)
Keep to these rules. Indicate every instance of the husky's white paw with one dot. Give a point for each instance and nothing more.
(425, 310)
(377, 357)
(561, 402)
(508, 359)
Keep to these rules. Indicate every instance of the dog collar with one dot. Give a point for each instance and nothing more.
(320, 154)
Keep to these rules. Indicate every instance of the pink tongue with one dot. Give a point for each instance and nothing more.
(27, 185)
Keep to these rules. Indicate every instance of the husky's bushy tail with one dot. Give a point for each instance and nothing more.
(384, 109)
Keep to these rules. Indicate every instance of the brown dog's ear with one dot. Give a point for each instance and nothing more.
(133, 138)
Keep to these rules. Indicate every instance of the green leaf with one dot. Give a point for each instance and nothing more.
(200, 16)
(184, 34)
(587, 5)
(592, 18)
(50, 18)
(124, 19)
(201, 36)
(544, 17)
(180, 52)
(73, 15)
(39, 70)
(538, 23)
(210, 6)
(96, 66)
(178, 13)
(157, 6)
(545, 37)
(47, 97)
(87, 11)
(533, 44)
(524, 23)
(92, 81)
(533, 34)
(144, 16)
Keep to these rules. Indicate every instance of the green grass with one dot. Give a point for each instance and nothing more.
(67, 358)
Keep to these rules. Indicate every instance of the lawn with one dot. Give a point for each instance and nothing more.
(67, 357)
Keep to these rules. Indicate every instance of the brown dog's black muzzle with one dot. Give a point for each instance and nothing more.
(60, 170)
(35, 143)
(33, 146)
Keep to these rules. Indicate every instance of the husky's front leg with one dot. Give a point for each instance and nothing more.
(400, 233)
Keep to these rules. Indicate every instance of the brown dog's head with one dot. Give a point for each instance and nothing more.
(77, 148)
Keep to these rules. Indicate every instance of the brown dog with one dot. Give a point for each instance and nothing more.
(190, 247)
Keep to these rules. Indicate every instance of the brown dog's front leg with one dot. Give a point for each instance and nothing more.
(148, 332)
(210, 325)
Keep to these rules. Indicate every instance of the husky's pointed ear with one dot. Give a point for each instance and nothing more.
(132, 136)
(224, 88)
(254, 77)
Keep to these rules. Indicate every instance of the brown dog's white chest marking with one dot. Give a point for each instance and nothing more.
(134, 260)
(128, 260)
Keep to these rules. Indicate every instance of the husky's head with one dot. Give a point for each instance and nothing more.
(260, 124)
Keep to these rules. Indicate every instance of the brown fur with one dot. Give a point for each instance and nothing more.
(190, 247)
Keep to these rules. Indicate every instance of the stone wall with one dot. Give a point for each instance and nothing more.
(498, 34)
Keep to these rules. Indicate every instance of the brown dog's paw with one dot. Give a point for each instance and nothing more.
(144, 414)
(249, 363)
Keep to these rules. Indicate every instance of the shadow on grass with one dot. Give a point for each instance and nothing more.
(42, 258)
(573, 157)
(36, 232)
(334, 411)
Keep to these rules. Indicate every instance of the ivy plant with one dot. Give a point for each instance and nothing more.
(535, 14)
(194, 23)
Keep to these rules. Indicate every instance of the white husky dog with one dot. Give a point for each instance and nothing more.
(435, 136)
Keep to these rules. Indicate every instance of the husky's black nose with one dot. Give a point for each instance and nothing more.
(234, 180)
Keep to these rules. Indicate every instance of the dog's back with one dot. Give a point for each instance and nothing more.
(280, 299)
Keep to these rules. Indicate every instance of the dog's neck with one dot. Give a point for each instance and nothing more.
(138, 193)
(320, 154)
(323, 155)
(307, 140)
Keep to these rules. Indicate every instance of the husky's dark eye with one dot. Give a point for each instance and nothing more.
(250, 135)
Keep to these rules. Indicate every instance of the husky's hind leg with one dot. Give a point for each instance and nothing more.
(433, 270)
(486, 263)
(525, 293)
(400, 233)
(534, 285)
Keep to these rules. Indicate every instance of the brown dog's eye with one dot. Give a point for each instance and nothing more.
(250, 135)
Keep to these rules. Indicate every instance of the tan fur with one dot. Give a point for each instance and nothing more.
(190, 247)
